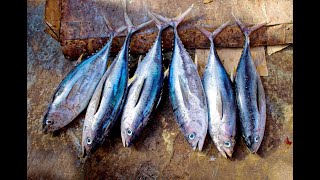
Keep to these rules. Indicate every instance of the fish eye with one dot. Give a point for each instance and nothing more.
(129, 132)
(256, 139)
(227, 144)
(49, 122)
(89, 141)
(192, 136)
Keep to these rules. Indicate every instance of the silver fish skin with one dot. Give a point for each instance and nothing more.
(75, 91)
(107, 102)
(186, 92)
(250, 94)
(144, 92)
(221, 99)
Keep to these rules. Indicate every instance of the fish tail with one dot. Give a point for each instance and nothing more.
(159, 25)
(130, 26)
(212, 35)
(248, 30)
(112, 29)
(174, 22)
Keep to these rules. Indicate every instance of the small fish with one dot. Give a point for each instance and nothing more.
(250, 94)
(107, 101)
(221, 99)
(186, 92)
(75, 91)
(144, 92)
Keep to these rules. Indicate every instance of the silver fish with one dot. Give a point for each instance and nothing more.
(75, 91)
(221, 99)
(144, 91)
(250, 94)
(107, 102)
(186, 92)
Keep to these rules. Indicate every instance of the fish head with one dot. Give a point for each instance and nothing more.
(195, 134)
(225, 144)
(224, 139)
(253, 141)
(129, 130)
(52, 121)
(90, 140)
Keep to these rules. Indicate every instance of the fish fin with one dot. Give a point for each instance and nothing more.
(75, 87)
(114, 32)
(130, 26)
(219, 104)
(161, 91)
(139, 60)
(261, 99)
(184, 92)
(166, 73)
(212, 35)
(196, 61)
(233, 74)
(206, 33)
(174, 22)
(79, 60)
(248, 30)
(140, 90)
(159, 25)
(96, 97)
(132, 79)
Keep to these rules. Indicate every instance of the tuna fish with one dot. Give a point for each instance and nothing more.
(144, 91)
(186, 92)
(221, 99)
(107, 101)
(73, 94)
(250, 94)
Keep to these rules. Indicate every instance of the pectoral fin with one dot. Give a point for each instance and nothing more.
(184, 91)
(219, 104)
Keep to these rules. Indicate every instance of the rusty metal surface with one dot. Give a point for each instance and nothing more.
(82, 20)
(161, 151)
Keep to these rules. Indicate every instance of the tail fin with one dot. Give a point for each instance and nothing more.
(248, 30)
(130, 26)
(113, 31)
(158, 23)
(174, 22)
(212, 35)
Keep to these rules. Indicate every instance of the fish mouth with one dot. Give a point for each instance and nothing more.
(199, 144)
(252, 150)
(124, 142)
(226, 154)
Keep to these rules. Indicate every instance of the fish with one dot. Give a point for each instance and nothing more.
(144, 91)
(74, 92)
(186, 91)
(221, 100)
(108, 99)
(250, 95)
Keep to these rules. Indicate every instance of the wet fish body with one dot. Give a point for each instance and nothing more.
(75, 91)
(250, 95)
(186, 92)
(144, 92)
(221, 99)
(107, 102)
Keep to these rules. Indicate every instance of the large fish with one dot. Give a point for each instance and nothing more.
(75, 91)
(250, 94)
(144, 91)
(221, 99)
(186, 92)
(107, 101)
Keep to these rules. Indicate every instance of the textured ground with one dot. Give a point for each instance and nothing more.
(161, 151)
